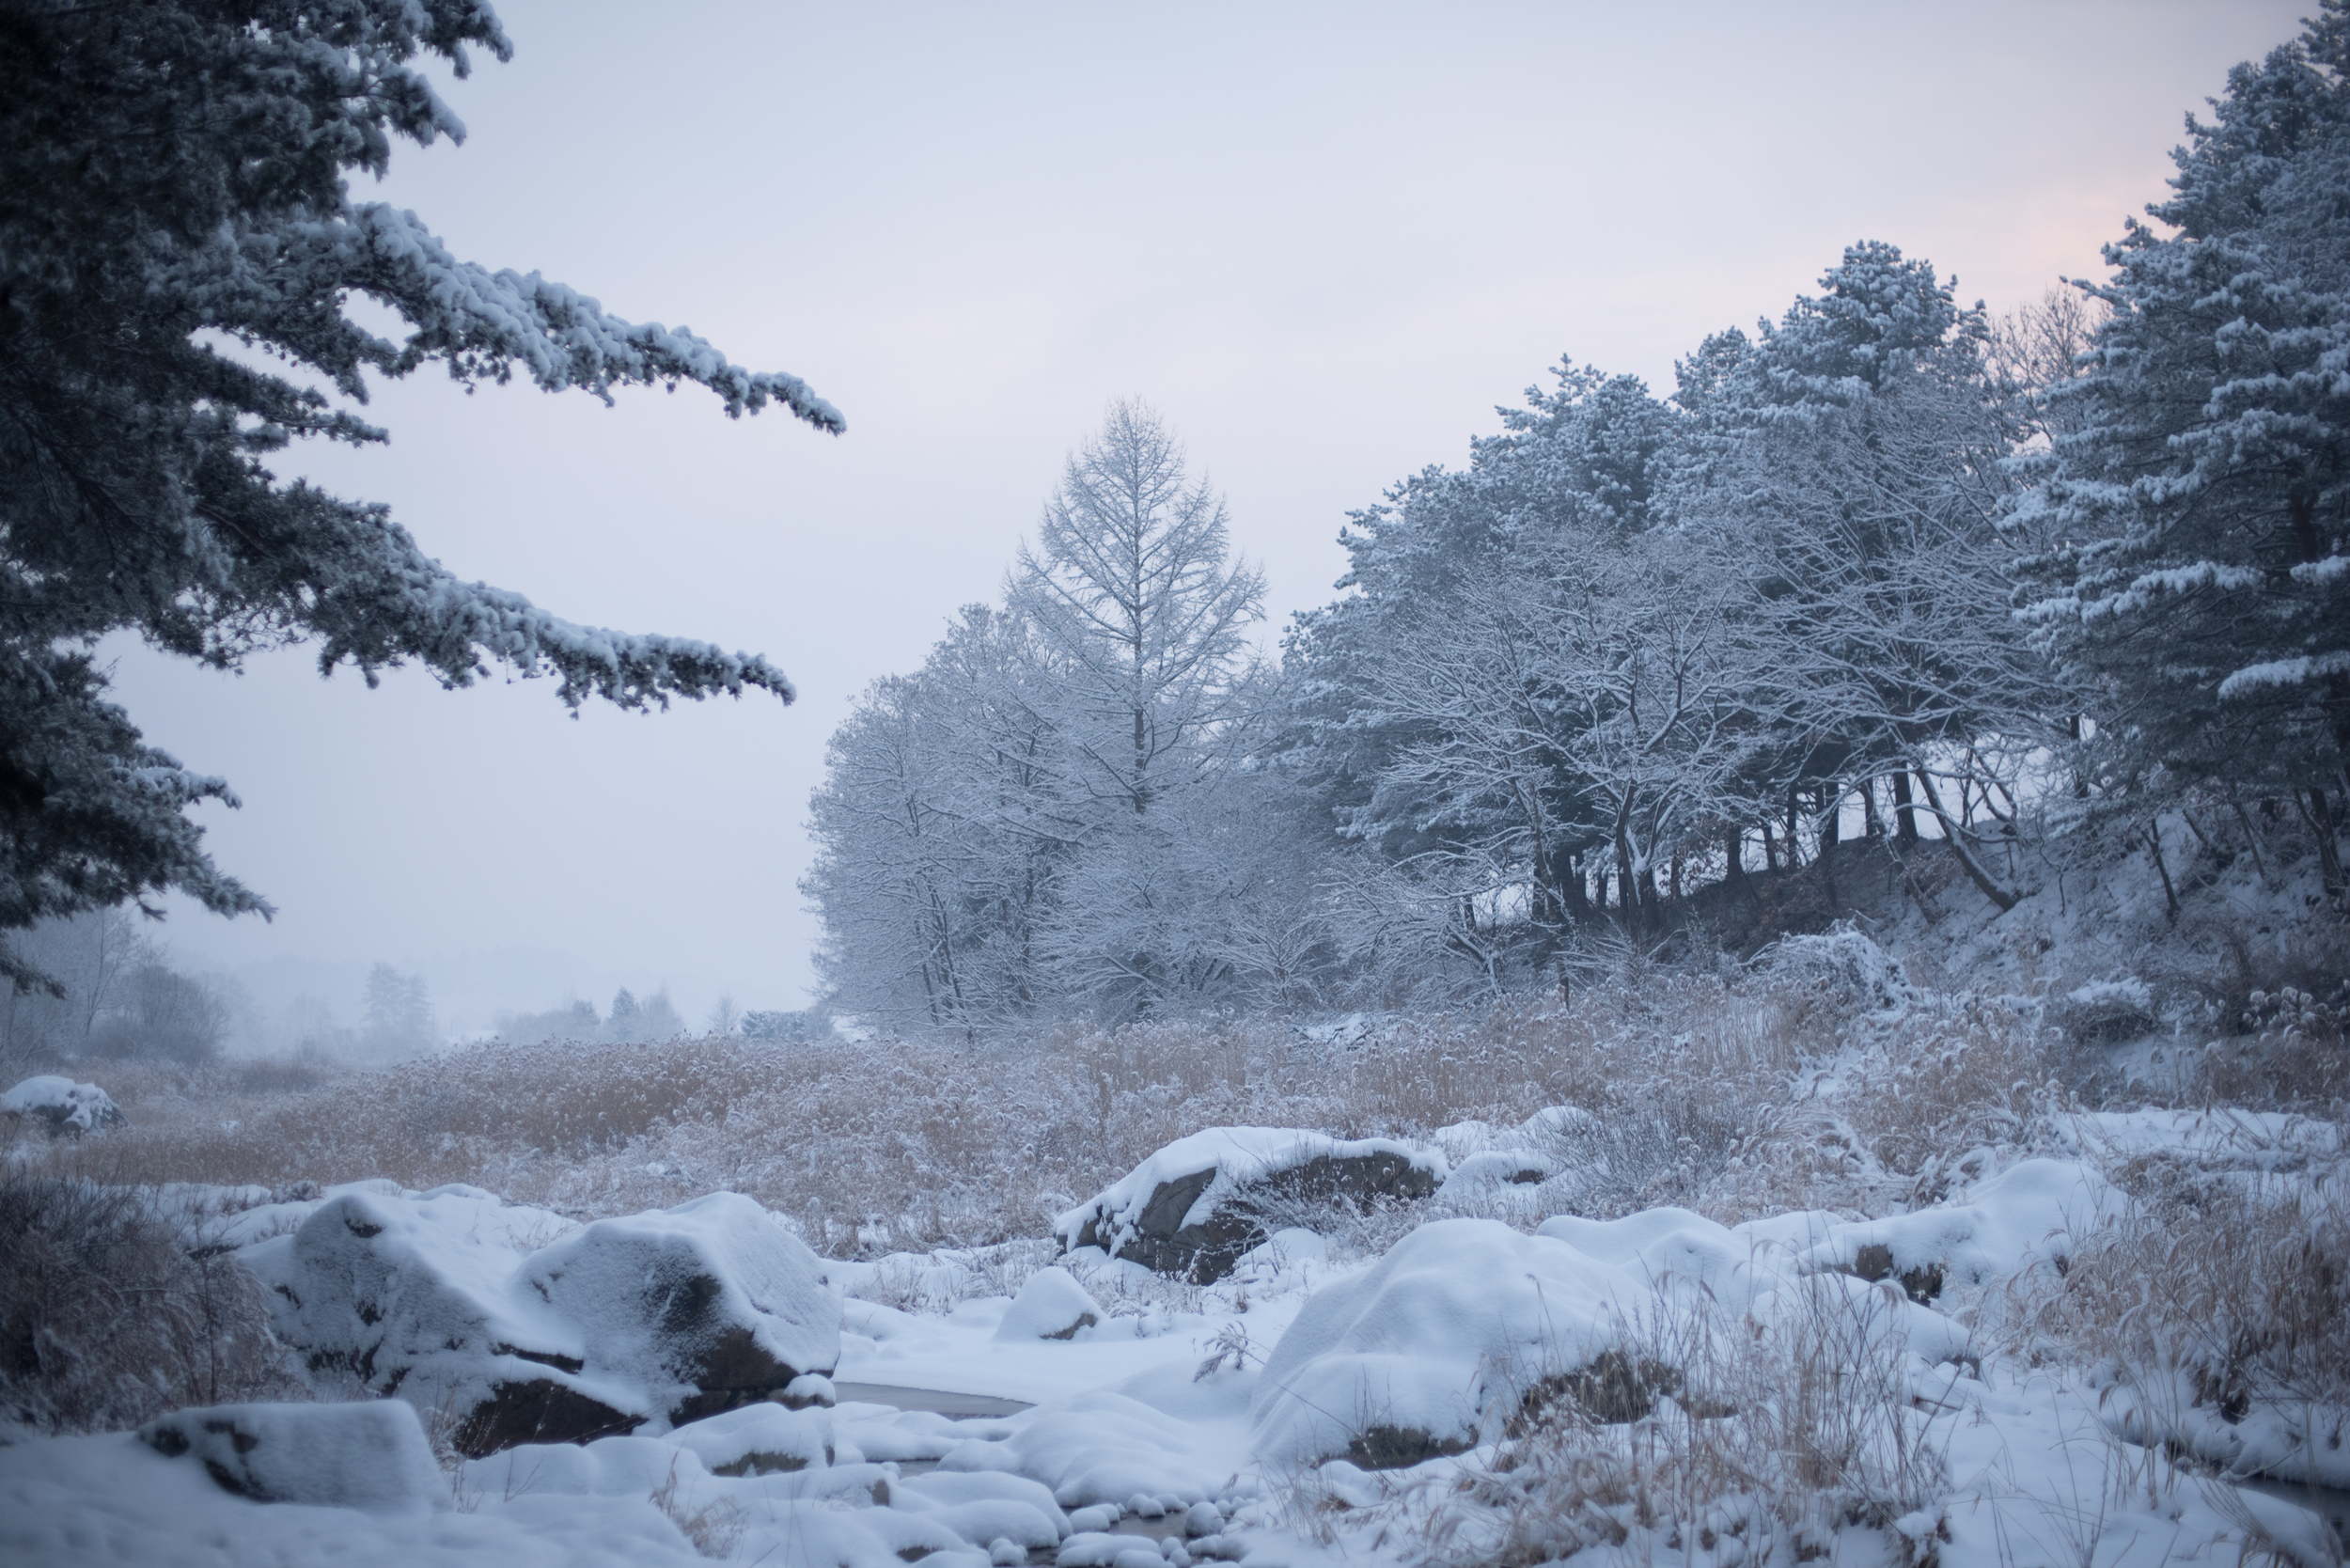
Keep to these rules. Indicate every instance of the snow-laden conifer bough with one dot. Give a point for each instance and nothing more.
(172, 176)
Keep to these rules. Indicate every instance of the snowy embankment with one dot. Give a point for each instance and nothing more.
(1657, 1386)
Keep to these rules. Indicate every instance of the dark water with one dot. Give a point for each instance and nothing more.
(2327, 1504)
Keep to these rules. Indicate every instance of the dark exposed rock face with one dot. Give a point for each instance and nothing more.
(539, 1411)
(1396, 1447)
(1206, 1250)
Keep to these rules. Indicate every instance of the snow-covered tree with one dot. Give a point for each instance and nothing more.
(1060, 810)
(944, 819)
(396, 1014)
(1845, 468)
(173, 181)
(2196, 517)
(1135, 602)
(1439, 706)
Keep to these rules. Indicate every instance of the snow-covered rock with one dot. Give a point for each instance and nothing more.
(1456, 1324)
(2030, 1214)
(67, 1108)
(527, 1328)
(707, 1305)
(371, 1455)
(1193, 1208)
(1051, 1306)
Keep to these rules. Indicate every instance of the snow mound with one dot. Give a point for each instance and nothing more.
(1844, 963)
(2029, 1213)
(1681, 1256)
(68, 1108)
(525, 1326)
(1050, 1306)
(371, 1455)
(1410, 1357)
(1197, 1205)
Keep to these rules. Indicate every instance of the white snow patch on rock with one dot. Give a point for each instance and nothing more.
(66, 1108)
(1051, 1306)
(1454, 1322)
(371, 1455)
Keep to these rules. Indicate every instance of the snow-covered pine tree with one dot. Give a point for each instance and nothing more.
(1437, 707)
(173, 174)
(1844, 467)
(2199, 516)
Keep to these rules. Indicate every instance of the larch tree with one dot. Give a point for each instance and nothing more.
(1133, 597)
(172, 179)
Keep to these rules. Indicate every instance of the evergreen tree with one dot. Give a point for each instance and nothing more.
(2196, 515)
(172, 174)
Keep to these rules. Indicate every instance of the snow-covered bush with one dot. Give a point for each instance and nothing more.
(2217, 1312)
(1777, 1432)
(110, 1314)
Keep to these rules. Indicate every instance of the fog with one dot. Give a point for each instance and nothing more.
(1324, 241)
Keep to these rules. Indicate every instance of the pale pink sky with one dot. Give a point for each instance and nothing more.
(1324, 240)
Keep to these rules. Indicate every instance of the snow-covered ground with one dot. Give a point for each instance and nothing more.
(1658, 1386)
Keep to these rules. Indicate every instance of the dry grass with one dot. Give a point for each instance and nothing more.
(110, 1314)
(1779, 1433)
(2213, 1292)
(1735, 1097)
(914, 1144)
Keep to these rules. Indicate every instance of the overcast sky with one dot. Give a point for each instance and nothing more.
(1324, 240)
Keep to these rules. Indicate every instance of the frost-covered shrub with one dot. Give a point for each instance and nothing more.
(2106, 1011)
(109, 1316)
(2217, 1315)
(1940, 1088)
(1776, 1431)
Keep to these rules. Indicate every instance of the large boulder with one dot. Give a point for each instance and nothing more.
(64, 1107)
(1197, 1205)
(517, 1326)
(708, 1305)
(372, 1455)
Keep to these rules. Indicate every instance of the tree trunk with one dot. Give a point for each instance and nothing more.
(1869, 826)
(1627, 886)
(1735, 855)
(2169, 894)
(1904, 814)
(2328, 853)
(1770, 848)
(1795, 847)
(1831, 830)
(1957, 837)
